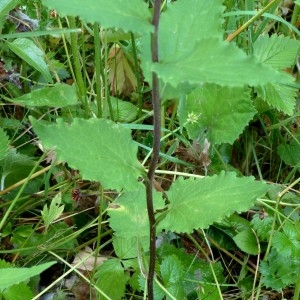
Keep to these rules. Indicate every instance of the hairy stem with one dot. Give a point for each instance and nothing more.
(156, 148)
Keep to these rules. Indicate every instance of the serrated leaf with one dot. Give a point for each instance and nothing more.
(60, 95)
(287, 243)
(15, 166)
(18, 292)
(279, 96)
(215, 61)
(128, 15)
(111, 279)
(277, 51)
(177, 33)
(53, 212)
(4, 144)
(172, 274)
(197, 203)
(125, 247)
(282, 244)
(290, 153)
(130, 218)
(100, 149)
(221, 112)
(5, 264)
(279, 272)
(262, 227)
(34, 56)
(247, 242)
(11, 276)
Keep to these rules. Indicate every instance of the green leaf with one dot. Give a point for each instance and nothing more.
(60, 95)
(279, 272)
(290, 153)
(34, 56)
(279, 96)
(53, 212)
(279, 52)
(198, 270)
(128, 15)
(247, 242)
(11, 276)
(15, 167)
(262, 227)
(220, 112)
(183, 24)
(5, 7)
(4, 144)
(111, 279)
(178, 34)
(287, 243)
(215, 61)
(100, 149)
(197, 203)
(129, 218)
(125, 247)
(172, 274)
(19, 291)
(123, 111)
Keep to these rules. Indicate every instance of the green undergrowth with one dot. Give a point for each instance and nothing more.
(76, 136)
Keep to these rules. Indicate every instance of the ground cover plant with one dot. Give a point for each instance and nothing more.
(149, 149)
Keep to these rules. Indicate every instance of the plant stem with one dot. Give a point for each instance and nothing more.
(98, 69)
(249, 22)
(156, 149)
(76, 60)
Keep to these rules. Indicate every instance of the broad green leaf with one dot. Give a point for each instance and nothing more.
(60, 95)
(219, 113)
(18, 291)
(15, 167)
(56, 238)
(279, 272)
(53, 212)
(186, 22)
(215, 61)
(4, 264)
(125, 247)
(197, 203)
(284, 245)
(290, 153)
(130, 218)
(198, 269)
(276, 51)
(247, 242)
(4, 144)
(123, 111)
(287, 243)
(263, 227)
(5, 7)
(183, 24)
(130, 15)
(280, 96)
(111, 279)
(11, 276)
(34, 56)
(100, 149)
(172, 274)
